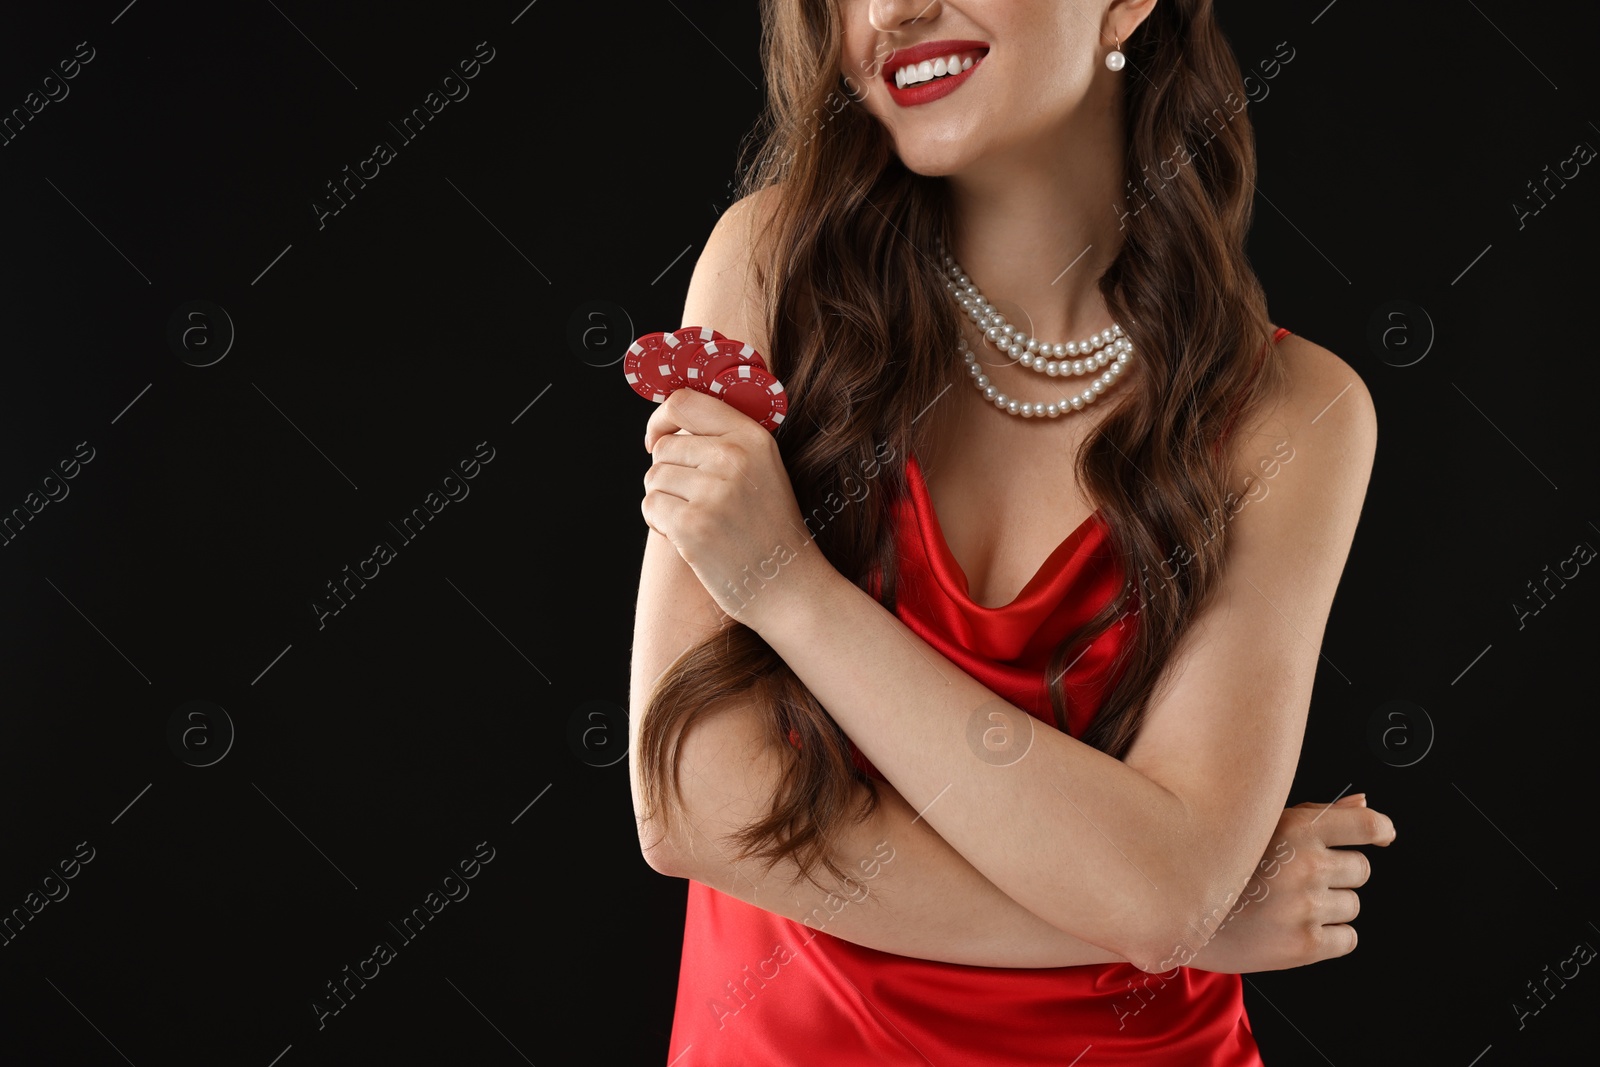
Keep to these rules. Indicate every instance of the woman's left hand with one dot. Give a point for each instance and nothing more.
(717, 489)
(1300, 901)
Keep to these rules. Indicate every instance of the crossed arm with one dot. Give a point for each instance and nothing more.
(1070, 855)
(919, 902)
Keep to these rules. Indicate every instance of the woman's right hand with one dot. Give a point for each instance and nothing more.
(1300, 901)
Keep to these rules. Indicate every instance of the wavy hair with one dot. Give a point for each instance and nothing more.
(858, 316)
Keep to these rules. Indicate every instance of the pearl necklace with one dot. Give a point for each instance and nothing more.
(1109, 349)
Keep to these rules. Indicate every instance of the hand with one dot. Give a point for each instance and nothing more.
(1299, 903)
(717, 489)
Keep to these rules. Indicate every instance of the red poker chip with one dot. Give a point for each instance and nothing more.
(682, 353)
(648, 368)
(754, 391)
(746, 353)
(700, 362)
(695, 333)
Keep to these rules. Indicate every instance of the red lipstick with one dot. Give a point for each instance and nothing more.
(928, 91)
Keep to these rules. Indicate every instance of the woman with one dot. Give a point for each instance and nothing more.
(938, 801)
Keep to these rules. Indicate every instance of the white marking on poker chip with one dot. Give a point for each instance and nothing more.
(636, 349)
(776, 388)
(631, 378)
(671, 339)
(776, 416)
(748, 350)
(744, 369)
(664, 369)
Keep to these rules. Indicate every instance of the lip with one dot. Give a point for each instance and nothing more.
(926, 92)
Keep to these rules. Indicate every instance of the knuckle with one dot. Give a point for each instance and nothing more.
(1374, 824)
(1305, 877)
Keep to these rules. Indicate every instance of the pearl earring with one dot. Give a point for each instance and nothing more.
(1115, 58)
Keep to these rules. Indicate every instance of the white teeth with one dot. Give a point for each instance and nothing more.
(927, 70)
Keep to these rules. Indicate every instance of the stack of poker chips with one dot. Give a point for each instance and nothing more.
(703, 360)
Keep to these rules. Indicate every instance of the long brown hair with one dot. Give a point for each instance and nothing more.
(857, 310)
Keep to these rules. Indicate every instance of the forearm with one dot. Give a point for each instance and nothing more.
(1072, 834)
(910, 893)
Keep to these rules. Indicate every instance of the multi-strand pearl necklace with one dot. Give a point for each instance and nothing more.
(1105, 354)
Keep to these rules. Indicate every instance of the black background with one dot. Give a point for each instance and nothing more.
(437, 709)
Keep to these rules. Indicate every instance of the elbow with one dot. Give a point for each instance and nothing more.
(1154, 947)
(656, 843)
(1147, 935)
(660, 849)
(1178, 935)
(662, 860)
(1158, 933)
(1163, 951)
(666, 846)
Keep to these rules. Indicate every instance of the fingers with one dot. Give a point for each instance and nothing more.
(1332, 939)
(1354, 825)
(689, 409)
(1338, 906)
(1346, 868)
(1348, 800)
(662, 512)
(1339, 940)
(671, 479)
(684, 449)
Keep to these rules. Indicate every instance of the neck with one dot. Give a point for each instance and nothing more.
(1034, 230)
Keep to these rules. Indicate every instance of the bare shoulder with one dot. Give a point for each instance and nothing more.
(1312, 446)
(725, 292)
(1324, 391)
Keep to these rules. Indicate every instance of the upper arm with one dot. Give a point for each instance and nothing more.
(724, 291)
(674, 611)
(1224, 731)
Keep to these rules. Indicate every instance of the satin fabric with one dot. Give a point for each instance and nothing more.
(758, 989)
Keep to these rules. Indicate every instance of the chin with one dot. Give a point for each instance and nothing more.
(933, 161)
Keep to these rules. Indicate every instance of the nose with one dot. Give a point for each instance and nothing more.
(888, 16)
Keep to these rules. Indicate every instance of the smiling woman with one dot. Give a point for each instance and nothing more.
(1079, 765)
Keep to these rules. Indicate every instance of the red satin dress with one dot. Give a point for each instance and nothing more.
(758, 990)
